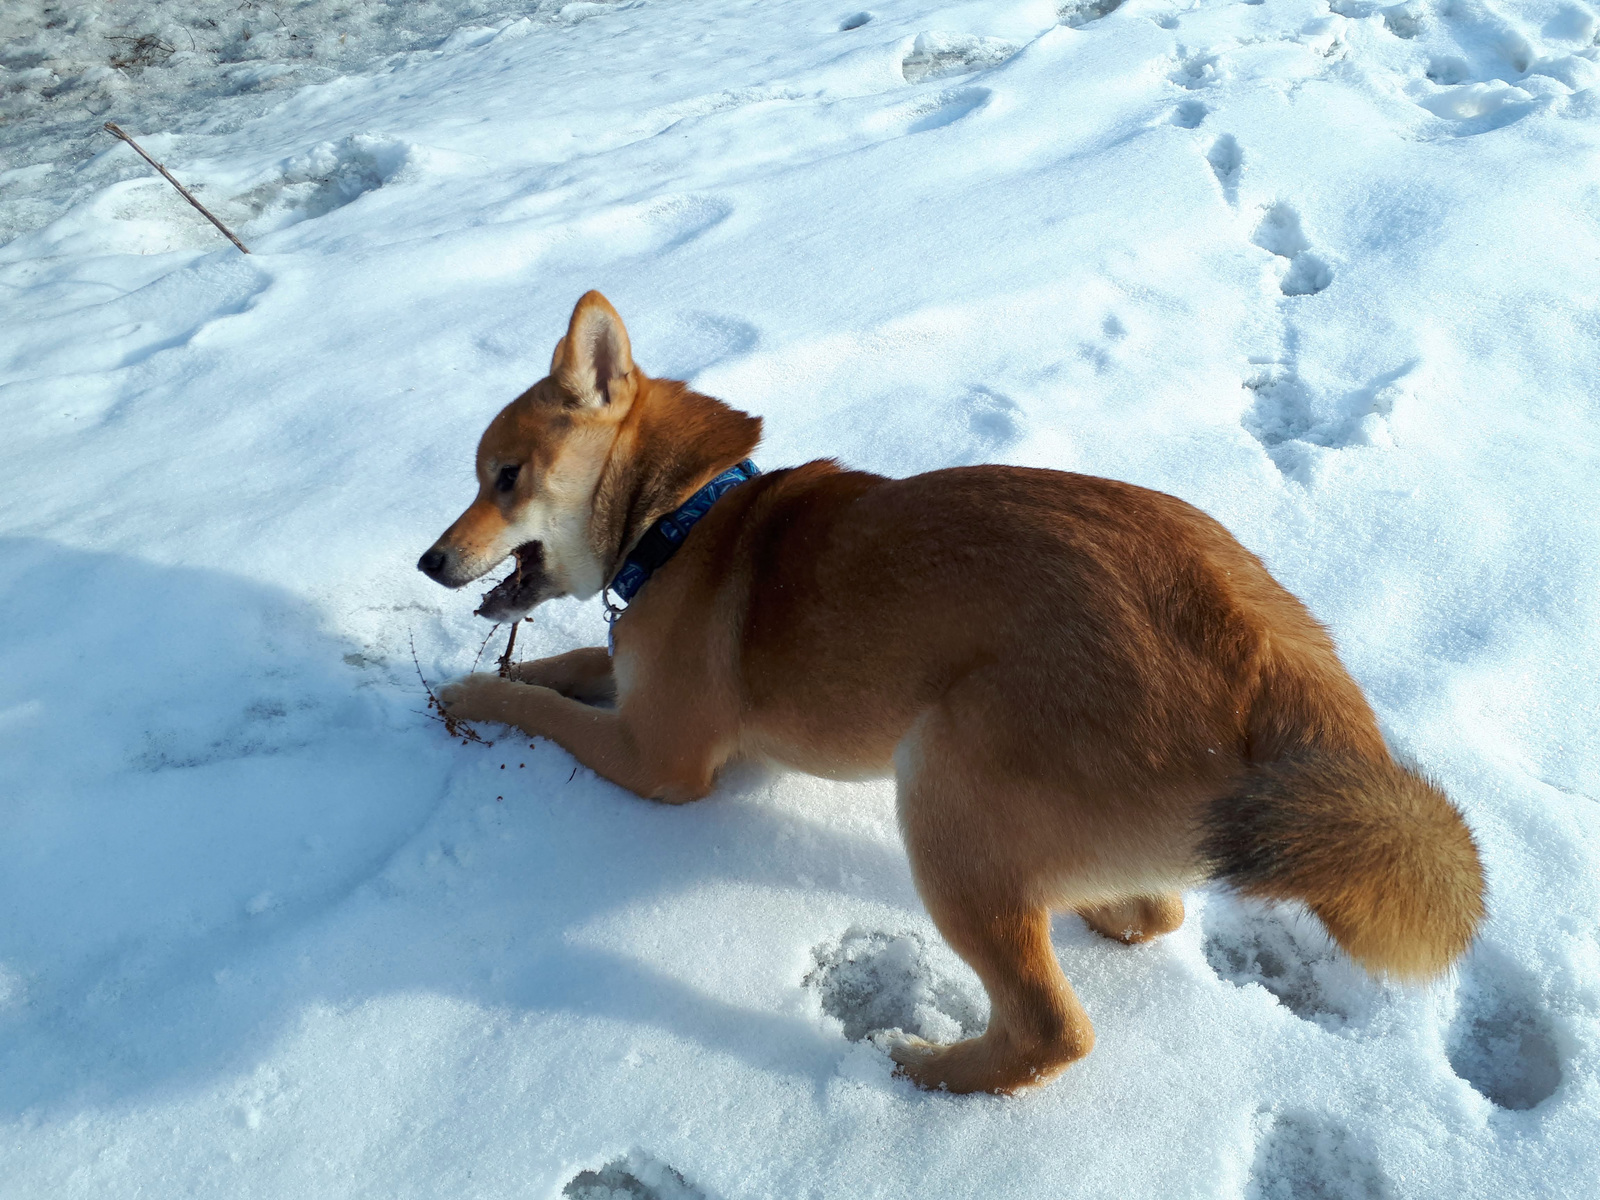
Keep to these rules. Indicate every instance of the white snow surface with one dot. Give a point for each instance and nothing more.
(1331, 274)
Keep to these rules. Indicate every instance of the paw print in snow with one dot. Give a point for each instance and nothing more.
(1502, 1040)
(873, 981)
(635, 1176)
(1304, 1157)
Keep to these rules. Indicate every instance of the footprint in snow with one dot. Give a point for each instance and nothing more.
(326, 177)
(993, 420)
(1501, 53)
(936, 55)
(1502, 1041)
(1286, 952)
(1402, 20)
(1447, 70)
(1497, 76)
(1196, 71)
(1482, 107)
(1281, 234)
(1227, 163)
(854, 21)
(1282, 418)
(1076, 13)
(1280, 413)
(1188, 115)
(873, 981)
(635, 1176)
(1304, 1157)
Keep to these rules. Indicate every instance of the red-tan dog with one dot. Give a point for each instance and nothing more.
(1089, 694)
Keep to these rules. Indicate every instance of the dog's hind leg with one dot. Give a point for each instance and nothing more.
(1137, 919)
(1037, 1027)
(581, 674)
(977, 886)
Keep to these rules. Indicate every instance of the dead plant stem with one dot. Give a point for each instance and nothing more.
(112, 128)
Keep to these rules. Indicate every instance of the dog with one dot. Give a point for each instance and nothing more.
(1090, 696)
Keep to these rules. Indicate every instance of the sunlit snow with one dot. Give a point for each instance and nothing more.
(1329, 271)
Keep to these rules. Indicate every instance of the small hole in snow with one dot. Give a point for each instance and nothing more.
(854, 21)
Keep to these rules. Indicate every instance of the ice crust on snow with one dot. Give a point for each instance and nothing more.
(1325, 270)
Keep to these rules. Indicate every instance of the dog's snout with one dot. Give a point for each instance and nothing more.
(433, 564)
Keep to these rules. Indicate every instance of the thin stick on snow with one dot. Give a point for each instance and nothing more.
(115, 131)
(505, 659)
(482, 646)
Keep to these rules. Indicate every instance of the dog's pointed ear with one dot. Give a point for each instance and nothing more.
(594, 355)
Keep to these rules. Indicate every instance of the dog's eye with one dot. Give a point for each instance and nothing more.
(507, 479)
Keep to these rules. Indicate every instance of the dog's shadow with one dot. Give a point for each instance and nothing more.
(217, 821)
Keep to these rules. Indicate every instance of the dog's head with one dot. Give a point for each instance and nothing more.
(571, 471)
(538, 467)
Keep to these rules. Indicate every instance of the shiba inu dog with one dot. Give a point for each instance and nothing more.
(1089, 695)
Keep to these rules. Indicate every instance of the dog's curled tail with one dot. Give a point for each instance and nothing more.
(1377, 851)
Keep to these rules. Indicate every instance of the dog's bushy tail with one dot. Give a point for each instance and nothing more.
(1377, 851)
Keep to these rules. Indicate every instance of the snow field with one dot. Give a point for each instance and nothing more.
(1329, 274)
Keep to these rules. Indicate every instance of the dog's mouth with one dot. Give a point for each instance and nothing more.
(519, 592)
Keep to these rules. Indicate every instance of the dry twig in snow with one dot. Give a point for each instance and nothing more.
(112, 128)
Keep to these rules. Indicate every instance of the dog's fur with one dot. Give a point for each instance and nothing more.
(1088, 693)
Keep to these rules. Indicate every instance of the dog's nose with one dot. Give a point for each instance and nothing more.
(432, 564)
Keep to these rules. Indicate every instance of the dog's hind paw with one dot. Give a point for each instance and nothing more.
(901, 1046)
(959, 1067)
(912, 1055)
(982, 1064)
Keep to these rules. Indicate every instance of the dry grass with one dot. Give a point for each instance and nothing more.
(454, 726)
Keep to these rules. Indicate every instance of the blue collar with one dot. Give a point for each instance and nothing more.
(661, 541)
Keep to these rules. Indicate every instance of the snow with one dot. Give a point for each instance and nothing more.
(1331, 274)
(167, 64)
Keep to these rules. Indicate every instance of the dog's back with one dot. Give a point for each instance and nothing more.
(1125, 629)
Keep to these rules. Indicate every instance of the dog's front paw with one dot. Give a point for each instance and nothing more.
(480, 697)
